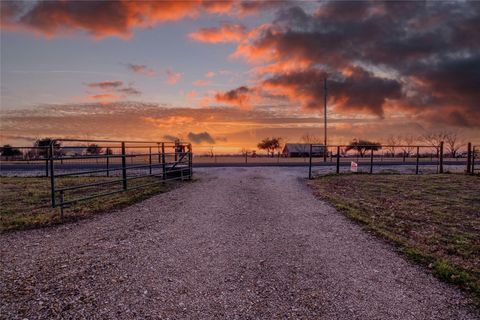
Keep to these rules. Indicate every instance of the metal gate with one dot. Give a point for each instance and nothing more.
(112, 167)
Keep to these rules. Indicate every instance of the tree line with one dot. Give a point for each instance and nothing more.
(40, 150)
(404, 145)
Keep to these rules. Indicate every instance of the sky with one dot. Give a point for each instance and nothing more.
(230, 73)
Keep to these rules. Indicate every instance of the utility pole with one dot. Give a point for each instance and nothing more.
(325, 151)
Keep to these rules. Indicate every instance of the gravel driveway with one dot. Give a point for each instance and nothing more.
(241, 243)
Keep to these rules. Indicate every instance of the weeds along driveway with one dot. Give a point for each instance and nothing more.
(239, 243)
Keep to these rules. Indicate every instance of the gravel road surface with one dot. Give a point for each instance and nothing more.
(240, 243)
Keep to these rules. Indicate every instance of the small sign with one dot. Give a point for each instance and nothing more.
(353, 166)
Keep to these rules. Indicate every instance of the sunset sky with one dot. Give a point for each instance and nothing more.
(230, 73)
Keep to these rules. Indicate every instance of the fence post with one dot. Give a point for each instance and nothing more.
(418, 158)
(124, 167)
(338, 159)
(310, 163)
(150, 159)
(176, 155)
(108, 165)
(246, 157)
(190, 161)
(441, 157)
(47, 151)
(164, 168)
(371, 161)
(52, 175)
(469, 157)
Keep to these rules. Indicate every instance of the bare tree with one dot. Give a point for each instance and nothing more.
(407, 142)
(453, 142)
(392, 142)
(311, 139)
(434, 138)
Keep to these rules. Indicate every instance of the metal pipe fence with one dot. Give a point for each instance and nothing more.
(120, 166)
(418, 157)
(373, 156)
(473, 155)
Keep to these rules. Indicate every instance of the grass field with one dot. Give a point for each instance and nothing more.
(25, 201)
(433, 219)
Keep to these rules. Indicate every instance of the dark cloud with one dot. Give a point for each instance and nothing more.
(246, 7)
(200, 137)
(105, 85)
(171, 138)
(112, 87)
(238, 96)
(416, 57)
(130, 91)
(141, 69)
(360, 91)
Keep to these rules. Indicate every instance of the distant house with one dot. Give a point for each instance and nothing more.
(302, 150)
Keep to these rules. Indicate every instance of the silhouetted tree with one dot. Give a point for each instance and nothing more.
(9, 151)
(361, 146)
(450, 138)
(407, 142)
(42, 147)
(453, 142)
(94, 149)
(270, 145)
(392, 142)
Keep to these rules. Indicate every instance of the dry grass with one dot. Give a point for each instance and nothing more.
(25, 202)
(433, 219)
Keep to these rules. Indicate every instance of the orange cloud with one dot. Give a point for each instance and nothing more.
(103, 98)
(210, 74)
(191, 94)
(118, 18)
(97, 18)
(218, 6)
(169, 121)
(242, 127)
(173, 77)
(201, 83)
(225, 33)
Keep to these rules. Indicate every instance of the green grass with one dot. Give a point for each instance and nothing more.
(433, 219)
(25, 202)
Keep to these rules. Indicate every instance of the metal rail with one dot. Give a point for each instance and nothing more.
(166, 169)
